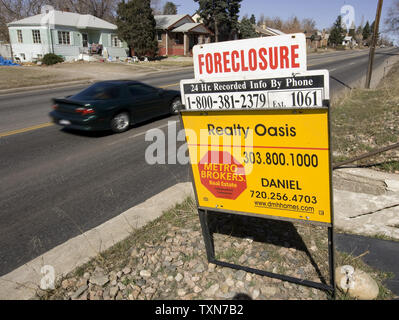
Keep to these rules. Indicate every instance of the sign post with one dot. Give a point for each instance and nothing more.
(259, 140)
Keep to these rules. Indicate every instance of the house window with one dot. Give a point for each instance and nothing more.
(64, 37)
(36, 36)
(116, 42)
(179, 38)
(19, 36)
(159, 35)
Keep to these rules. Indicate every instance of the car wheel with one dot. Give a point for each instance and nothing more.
(120, 122)
(175, 106)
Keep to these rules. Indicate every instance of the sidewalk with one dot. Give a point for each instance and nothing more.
(366, 216)
(366, 202)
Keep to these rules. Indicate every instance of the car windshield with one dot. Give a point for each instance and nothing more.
(99, 91)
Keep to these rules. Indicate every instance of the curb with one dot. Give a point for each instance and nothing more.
(23, 282)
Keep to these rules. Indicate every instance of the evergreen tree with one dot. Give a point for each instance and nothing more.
(392, 18)
(136, 26)
(252, 19)
(366, 31)
(337, 33)
(233, 9)
(359, 30)
(169, 8)
(247, 29)
(221, 17)
(372, 31)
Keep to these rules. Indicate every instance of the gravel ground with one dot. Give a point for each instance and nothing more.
(167, 260)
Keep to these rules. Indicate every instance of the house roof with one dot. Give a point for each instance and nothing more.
(165, 21)
(68, 19)
(267, 31)
(186, 27)
(178, 23)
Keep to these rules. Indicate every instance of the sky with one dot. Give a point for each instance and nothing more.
(324, 12)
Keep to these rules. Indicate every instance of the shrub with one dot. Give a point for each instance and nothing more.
(51, 58)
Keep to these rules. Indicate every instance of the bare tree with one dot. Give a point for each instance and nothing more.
(392, 20)
(169, 8)
(291, 25)
(156, 6)
(104, 9)
(11, 10)
(308, 25)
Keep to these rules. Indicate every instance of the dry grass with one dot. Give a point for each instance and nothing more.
(366, 120)
(17, 77)
(25, 76)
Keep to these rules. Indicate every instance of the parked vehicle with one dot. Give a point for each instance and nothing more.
(114, 105)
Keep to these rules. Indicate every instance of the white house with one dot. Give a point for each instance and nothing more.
(63, 33)
(349, 41)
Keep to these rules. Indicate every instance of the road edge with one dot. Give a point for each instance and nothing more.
(23, 282)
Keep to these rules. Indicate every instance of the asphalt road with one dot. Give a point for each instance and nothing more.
(56, 184)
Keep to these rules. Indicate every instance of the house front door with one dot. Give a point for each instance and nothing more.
(85, 40)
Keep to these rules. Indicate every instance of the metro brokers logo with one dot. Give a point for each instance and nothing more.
(222, 175)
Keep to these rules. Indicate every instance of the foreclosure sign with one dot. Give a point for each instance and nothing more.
(241, 59)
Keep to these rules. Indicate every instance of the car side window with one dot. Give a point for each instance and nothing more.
(140, 90)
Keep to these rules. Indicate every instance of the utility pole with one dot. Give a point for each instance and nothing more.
(373, 44)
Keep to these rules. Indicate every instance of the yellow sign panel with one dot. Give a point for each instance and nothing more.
(271, 163)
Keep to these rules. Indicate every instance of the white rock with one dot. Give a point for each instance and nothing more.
(145, 273)
(344, 277)
(212, 290)
(99, 280)
(113, 291)
(197, 289)
(269, 291)
(240, 284)
(229, 282)
(255, 294)
(169, 278)
(356, 282)
(178, 277)
(126, 270)
(181, 292)
(365, 287)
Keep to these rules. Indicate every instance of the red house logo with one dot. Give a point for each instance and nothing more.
(222, 175)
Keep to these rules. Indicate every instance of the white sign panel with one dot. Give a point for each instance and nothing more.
(250, 58)
(309, 89)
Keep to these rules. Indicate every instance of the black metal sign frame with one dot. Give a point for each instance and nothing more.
(210, 252)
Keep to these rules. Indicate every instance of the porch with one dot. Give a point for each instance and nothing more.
(181, 40)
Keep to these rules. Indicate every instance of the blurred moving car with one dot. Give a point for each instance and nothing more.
(114, 105)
